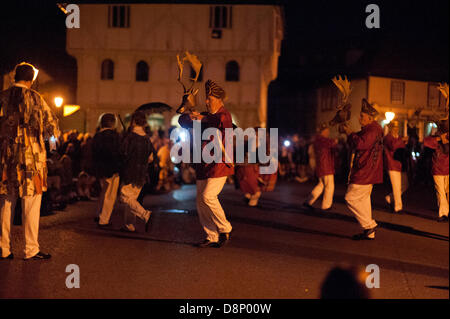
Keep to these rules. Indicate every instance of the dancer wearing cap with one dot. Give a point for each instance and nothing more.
(394, 153)
(211, 177)
(323, 148)
(25, 122)
(366, 170)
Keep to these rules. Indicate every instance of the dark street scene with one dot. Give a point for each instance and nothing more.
(237, 151)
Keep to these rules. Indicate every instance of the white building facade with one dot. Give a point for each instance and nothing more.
(126, 57)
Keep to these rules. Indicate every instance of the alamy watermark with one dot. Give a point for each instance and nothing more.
(373, 279)
(226, 149)
(73, 280)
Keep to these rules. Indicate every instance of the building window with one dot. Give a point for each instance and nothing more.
(397, 92)
(119, 16)
(107, 70)
(220, 17)
(232, 71)
(200, 76)
(142, 71)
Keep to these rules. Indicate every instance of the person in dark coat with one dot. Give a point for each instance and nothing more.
(106, 160)
(366, 169)
(136, 152)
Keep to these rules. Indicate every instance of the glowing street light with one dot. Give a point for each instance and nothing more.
(58, 101)
(389, 116)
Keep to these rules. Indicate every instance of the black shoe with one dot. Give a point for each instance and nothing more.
(10, 256)
(224, 238)
(39, 256)
(104, 226)
(443, 219)
(326, 210)
(96, 219)
(207, 244)
(306, 205)
(365, 234)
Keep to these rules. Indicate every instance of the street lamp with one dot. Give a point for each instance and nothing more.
(58, 101)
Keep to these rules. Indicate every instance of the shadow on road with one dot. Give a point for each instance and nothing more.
(272, 205)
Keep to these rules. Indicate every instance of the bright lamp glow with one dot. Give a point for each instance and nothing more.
(58, 101)
(287, 143)
(70, 109)
(389, 116)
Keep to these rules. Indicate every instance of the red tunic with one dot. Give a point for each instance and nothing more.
(247, 177)
(391, 144)
(220, 120)
(323, 148)
(440, 159)
(368, 162)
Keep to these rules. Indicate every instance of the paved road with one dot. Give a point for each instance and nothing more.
(278, 250)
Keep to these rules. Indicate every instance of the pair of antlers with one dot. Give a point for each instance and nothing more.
(196, 66)
(343, 84)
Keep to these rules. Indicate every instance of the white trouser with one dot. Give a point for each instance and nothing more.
(210, 212)
(325, 185)
(358, 201)
(128, 196)
(399, 181)
(31, 211)
(107, 198)
(441, 185)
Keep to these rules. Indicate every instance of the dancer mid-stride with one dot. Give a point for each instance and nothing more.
(212, 177)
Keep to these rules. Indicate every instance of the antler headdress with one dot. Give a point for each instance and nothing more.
(190, 93)
(442, 119)
(343, 108)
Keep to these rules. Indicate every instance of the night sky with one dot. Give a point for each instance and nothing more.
(411, 43)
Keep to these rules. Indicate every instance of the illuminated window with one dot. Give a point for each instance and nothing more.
(142, 71)
(119, 16)
(107, 70)
(397, 92)
(232, 71)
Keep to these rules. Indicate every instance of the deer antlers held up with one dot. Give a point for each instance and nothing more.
(189, 94)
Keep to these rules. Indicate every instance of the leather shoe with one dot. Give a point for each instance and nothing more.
(39, 256)
(10, 256)
(207, 244)
(365, 235)
(443, 219)
(306, 205)
(224, 238)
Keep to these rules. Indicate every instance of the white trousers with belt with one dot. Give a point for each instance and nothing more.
(399, 181)
(210, 212)
(107, 198)
(325, 186)
(441, 186)
(358, 201)
(31, 211)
